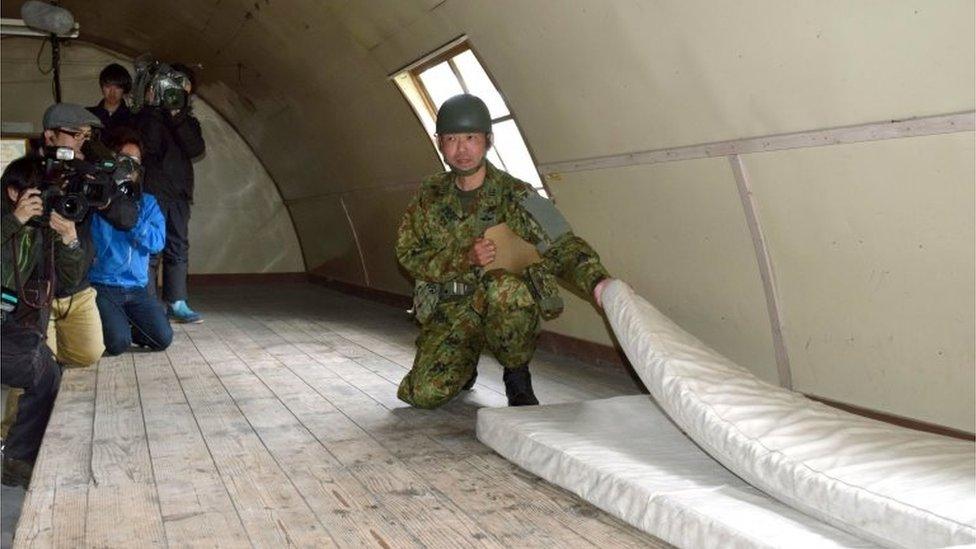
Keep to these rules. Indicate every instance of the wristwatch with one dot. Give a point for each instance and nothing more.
(73, 245)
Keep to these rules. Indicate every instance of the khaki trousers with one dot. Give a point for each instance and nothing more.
(75, 331)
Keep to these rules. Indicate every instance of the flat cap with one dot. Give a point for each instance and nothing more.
(69, 115)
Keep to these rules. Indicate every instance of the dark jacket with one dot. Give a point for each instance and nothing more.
(169, 144)
(122, 213)
(21, 254)
(110, 121)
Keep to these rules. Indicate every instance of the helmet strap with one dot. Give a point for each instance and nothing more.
(469, 171)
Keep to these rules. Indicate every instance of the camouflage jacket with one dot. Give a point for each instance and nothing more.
(435, 234)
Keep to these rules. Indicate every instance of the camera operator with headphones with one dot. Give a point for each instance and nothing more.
(171, 139)
(35, 255)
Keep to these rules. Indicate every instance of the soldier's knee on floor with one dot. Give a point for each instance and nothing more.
(428, 392)
(425, 399)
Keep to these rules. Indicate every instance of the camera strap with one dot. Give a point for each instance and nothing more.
(34, 297)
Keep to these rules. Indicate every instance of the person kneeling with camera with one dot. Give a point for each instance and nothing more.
(75, 332)
(39, 249)
(120, 270)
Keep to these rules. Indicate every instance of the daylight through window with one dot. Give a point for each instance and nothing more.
(457, 70)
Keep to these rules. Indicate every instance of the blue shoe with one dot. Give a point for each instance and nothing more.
(181, 312)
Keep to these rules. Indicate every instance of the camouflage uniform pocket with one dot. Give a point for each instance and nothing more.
(545, 291)
(426, 295)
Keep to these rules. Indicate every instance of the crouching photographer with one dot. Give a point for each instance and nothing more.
(120, 270)
(39, 250)
(88, 184)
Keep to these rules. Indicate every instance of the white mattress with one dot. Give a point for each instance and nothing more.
(894, 486)
(626, 457)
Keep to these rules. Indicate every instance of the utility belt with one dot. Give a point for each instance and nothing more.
(454, 288)
(542, 285)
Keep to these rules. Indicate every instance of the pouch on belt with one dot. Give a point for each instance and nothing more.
(545, 290)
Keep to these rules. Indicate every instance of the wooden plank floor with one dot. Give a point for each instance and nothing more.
(276, 423)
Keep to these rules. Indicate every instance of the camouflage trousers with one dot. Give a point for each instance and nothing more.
(452, 339)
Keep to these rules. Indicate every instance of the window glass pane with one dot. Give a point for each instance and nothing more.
(441, 83)
(479, 84)
(511, 147)
(495, 159)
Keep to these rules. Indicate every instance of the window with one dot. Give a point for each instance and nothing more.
(453, 70)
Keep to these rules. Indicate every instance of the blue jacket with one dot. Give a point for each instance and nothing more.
(122, 257)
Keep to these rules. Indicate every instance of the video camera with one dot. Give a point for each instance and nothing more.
(166, 83)
(71, 187)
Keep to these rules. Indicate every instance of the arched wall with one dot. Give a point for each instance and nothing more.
(239, 223)
(872, 243)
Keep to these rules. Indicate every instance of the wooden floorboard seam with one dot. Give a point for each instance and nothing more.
(213, 460)
(276, 423)
(152, 467)
(311, 434)
(435, 489)
(368, 433)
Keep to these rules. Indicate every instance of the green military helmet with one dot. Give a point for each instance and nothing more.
(464, 113)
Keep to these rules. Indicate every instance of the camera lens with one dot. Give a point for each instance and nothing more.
(70, 206)
(73, 207)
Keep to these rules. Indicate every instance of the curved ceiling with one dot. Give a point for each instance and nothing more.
(291, 62)
(872, 243)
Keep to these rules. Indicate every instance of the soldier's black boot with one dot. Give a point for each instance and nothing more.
(470, 383)
(518, 387)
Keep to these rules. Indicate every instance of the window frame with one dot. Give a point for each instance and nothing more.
(446, 53)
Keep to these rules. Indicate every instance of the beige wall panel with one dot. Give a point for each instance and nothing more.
(873, 248)
(677, 234)
(26, 92)
(304, 82)
(327, 240)
(593, 78)
(239, 223)
(318, 92)
(376, 215)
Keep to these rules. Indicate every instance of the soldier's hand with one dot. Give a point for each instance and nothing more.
(598, 291)
(482, 252)
(29, 204)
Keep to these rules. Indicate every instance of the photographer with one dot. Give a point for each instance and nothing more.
(35, 254)
(171, 138)
(75, 331)
(120, 271)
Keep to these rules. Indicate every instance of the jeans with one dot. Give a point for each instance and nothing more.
(131, 315)
(28, 364)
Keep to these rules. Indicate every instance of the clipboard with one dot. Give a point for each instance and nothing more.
(511, 252)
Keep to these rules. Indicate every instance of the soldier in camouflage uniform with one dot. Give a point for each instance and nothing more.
(462, 303)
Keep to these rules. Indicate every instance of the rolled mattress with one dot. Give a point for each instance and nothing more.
(625, 456)
(894, 486)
